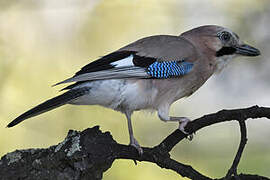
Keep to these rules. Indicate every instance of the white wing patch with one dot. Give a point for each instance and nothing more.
(124, 62)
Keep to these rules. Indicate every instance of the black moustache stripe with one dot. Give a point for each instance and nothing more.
(225, 51)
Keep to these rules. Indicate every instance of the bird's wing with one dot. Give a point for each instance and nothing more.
(152, 57)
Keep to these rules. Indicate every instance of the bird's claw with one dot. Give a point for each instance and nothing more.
(190, 137)
(136, 145)
(182, 124)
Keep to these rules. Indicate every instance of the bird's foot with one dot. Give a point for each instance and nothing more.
(183, 121)
(134, 143)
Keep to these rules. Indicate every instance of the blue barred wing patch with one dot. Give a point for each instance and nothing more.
(163, 70)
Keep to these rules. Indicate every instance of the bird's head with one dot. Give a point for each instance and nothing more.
(219, 43)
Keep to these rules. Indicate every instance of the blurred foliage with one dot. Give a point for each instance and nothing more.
(43, 42)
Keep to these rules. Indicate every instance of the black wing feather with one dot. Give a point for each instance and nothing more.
(143, 61)
(104, 62)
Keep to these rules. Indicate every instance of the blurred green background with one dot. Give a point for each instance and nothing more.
(44, 42)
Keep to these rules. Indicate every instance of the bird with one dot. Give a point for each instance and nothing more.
(150, 74)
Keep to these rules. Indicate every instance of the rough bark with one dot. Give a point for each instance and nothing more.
(88, 154)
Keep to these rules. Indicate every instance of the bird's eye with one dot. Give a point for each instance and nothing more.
(225, 36)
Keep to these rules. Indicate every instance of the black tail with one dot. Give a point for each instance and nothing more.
(50, 104)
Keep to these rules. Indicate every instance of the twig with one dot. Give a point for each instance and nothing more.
(243, 142)
(210, 119)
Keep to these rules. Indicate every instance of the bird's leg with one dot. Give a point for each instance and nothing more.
(182, 122)
(163, 114)
(133, 141)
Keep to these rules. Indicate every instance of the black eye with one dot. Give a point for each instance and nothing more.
(225, 36)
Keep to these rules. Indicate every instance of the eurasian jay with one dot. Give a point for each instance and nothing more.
(151, 73)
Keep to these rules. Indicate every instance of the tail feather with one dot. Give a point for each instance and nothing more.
(50, 104)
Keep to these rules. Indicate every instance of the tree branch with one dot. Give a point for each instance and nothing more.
(87, 154)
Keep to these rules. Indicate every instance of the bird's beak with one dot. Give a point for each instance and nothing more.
(247, 50)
